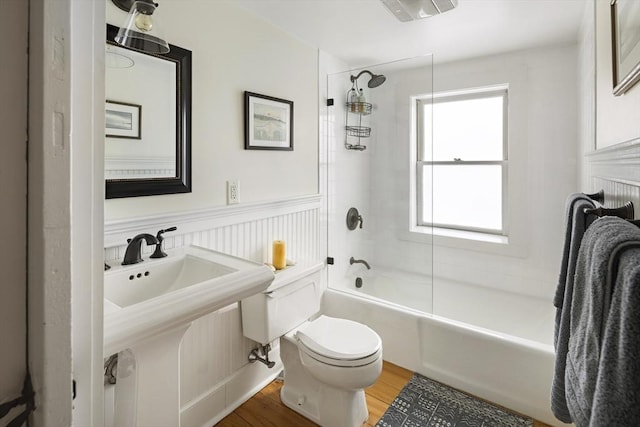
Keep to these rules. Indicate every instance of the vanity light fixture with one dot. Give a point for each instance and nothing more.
(140, 31)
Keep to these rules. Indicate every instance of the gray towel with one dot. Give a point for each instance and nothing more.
(570, 242)
(616, 401)
(585, 335)
(577, 223)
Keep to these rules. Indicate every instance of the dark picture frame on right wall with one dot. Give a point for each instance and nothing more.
(625, 44)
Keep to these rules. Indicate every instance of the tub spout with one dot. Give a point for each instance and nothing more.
(359, 261)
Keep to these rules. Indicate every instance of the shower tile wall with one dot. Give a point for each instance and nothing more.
(374, 181)
(214, 370)
(348, 185)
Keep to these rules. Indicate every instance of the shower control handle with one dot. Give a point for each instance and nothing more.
(353, 219)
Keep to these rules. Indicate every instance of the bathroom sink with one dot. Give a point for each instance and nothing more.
(148, 280)
(158, 295)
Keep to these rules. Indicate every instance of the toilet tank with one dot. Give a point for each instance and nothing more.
(291, 299)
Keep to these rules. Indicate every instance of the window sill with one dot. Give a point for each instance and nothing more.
(466, 240)
(463, 234)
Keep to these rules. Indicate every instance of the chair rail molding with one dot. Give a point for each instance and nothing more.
(619, 163)
(117, 231)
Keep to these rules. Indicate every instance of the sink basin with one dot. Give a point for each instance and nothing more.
(153, 296)
(148, 280)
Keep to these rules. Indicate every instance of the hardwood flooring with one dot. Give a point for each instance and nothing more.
(266, 410)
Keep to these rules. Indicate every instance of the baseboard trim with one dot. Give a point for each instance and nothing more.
(188, 413)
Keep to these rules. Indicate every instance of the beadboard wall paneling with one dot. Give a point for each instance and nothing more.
(214, 351)
(244, 230)
(616, 170)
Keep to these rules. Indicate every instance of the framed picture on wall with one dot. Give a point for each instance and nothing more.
(123, 120)
(625, 37)
(268, 123)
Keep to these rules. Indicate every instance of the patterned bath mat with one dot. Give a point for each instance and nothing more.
(424, 402)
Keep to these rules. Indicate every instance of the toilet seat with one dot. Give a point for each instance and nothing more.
(339, 342)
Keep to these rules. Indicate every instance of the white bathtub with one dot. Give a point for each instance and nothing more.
(492, 344)
(498, 311)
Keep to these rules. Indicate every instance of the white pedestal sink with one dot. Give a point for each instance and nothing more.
(148, 308)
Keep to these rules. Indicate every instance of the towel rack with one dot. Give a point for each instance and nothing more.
(597, 197)
(625, 211)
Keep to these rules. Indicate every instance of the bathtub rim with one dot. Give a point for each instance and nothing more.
(468, 328)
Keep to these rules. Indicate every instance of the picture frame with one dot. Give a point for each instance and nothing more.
(123, 120)
(268, 123)
(625, 38)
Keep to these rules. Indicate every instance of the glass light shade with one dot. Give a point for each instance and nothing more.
(142, 31)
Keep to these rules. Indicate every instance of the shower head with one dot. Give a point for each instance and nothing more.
(375, 80)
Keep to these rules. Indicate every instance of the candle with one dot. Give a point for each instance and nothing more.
(279, 254)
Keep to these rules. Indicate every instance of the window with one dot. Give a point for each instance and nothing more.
(461, 170)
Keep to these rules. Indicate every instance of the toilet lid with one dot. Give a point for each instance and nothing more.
(339, 339)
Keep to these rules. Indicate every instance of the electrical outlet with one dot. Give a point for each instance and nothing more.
(233, 192)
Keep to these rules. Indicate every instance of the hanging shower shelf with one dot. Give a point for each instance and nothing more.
(359, 131)
(357, 110)
(362, 108)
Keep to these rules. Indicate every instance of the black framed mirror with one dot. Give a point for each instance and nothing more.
(148, 121)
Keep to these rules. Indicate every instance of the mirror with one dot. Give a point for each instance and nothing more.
(147, 122)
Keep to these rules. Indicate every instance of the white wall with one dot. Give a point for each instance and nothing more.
(13, 173)
(235, 51)
(542, 170)
(543, 101)
(586, 93)
(610, 147)
(617, 118)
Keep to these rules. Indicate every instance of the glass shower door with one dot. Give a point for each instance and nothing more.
(371, 190)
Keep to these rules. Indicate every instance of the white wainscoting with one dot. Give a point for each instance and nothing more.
(215, 376)
(616, 170)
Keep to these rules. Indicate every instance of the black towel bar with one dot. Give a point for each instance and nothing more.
(597, 197)
(625, 211)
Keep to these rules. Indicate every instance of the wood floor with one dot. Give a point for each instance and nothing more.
(266, 409)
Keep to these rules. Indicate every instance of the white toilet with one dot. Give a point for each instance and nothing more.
(328, 362)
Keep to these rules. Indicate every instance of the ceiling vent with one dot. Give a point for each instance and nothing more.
(409, 10)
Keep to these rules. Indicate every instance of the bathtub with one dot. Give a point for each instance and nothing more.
(492, 344)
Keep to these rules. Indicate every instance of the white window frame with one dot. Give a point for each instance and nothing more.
(468, 94)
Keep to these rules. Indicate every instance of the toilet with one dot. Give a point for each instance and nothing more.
(328, 362)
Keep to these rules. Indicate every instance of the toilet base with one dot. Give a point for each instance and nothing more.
(321, 403)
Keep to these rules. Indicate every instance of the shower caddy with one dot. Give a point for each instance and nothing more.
(354, 114)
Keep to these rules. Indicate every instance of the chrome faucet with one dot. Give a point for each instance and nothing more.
(133, 254)
(359, 261)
